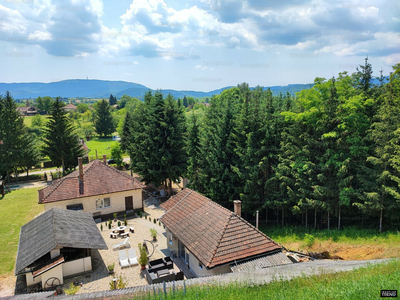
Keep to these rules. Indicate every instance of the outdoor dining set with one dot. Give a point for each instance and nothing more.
(120, 231)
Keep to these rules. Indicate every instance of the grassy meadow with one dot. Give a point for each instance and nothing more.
(350, 243)
(16, 209)
(363, 283)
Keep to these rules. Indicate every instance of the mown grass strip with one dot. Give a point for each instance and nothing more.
(363, 283)
(16, 209)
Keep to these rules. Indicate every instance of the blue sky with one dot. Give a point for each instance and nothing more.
(195, 45)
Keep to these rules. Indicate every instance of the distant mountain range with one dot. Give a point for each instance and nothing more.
(89, 88)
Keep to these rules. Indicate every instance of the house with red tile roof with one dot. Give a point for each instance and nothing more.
(70, 107)
(95, 188)
(213, 240)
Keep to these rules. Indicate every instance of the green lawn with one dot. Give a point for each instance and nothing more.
(103, 146)
(16, 209)
(28, 121)
(363, 283)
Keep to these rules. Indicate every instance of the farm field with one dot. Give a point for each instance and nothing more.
(363, 283)
(349, 243)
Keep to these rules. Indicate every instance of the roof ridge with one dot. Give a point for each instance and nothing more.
(181, 199)
(220, 239)
(57, 184)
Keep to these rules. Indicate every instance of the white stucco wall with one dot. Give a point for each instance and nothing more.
(77, 266)
(194, 263)
(89, 203)
(194, 266)
(55, 272)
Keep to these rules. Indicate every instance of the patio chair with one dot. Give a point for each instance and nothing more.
(122, 245)
(133, 260)
(123, 260)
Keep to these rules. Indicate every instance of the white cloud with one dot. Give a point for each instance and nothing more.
(200, 67)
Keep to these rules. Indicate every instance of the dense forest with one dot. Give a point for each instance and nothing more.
(327, 157)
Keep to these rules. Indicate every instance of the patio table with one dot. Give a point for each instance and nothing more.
(113, 235)
(121, 229)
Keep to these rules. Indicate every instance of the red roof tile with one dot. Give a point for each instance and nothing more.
(98, 179)
(214, 234)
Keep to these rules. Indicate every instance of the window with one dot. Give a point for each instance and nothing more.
(170, 238)
(75, 206)
(103, 203)
(200, 266)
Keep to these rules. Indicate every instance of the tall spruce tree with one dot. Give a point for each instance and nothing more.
(103, 120)
(193, 149)
(12, 132)
(217, 159)
(112, 100)
(157, 148)
(384, 195)
(61, 143)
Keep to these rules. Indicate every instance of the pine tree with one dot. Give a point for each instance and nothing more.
(61, 142)
(385, 193)
(12, 131)
(30, 155)
(193, 152)
(157, 148)
(112, 100)
(217, 159)
(185, 102)
(127, 134)
(103, 120)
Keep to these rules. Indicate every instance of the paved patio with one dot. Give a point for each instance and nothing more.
(99, 279)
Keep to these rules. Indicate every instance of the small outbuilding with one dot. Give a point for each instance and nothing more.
(55, 245)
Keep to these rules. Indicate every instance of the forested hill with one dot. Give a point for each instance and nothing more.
(102, 89)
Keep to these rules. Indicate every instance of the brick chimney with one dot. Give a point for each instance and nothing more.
(237, 207)
(104, 159)
(81, 186)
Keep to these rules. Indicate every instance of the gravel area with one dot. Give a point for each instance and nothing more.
(99, 279)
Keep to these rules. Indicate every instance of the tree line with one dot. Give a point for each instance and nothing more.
(328, 156)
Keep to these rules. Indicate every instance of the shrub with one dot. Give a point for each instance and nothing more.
(109, 225)
(159, 223)
(153, 233)
(119, 223)
(140, 214)
(149, 219)
(121, 283)
(115, 216)
(145, 215)
(155, 221)
(143, 259)
(125, 222)
(111, 267)
(72, 290)
(101, 227)
(309, 239)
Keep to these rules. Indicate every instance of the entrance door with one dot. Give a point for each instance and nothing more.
(181, 250)
(129, 203)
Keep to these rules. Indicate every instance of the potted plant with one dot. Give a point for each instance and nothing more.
(140, 214)
(115, 217)
(153, 234)
(125, 222)
(143, 259)
(111, 268)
